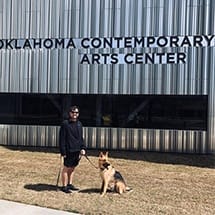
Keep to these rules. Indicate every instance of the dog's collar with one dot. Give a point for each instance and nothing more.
(105, 165)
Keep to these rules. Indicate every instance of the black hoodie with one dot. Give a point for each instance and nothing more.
(71, 137)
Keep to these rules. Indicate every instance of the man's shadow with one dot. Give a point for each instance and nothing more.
(50, 187)
(41, 187)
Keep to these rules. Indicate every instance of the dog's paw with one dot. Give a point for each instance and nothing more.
(102, 195)
(128, 189)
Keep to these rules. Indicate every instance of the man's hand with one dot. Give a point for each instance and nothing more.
(83, 152)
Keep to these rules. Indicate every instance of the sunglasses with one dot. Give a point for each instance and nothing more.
(76, 112)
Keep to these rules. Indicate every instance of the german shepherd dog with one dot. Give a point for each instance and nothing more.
(111, 179)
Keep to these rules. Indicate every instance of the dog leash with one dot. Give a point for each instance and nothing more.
(90, 161)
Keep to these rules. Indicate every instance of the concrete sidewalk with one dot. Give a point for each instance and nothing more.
(11, 208)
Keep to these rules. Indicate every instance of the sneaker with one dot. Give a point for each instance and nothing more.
(72, 187)
(66, 190)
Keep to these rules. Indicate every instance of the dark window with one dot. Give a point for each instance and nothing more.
(124, 111)
(30, 109)
(41, 109)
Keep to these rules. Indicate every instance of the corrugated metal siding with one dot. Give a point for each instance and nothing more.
(57, 70)
(52, 71)
(109, 138)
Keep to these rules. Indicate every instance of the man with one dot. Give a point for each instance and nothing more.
(72, 146)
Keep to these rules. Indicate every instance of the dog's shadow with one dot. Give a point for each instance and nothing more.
(41, 187)
(90, 190)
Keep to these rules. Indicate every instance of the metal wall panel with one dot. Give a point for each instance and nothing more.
(160, 80)
(109, 138)
(57, 70)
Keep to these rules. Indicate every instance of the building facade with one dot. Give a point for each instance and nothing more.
(142, 72)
